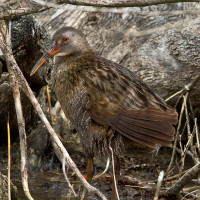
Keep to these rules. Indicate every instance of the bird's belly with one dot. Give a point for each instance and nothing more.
(95, 138)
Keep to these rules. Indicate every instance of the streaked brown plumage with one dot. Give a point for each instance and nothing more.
(107, 103)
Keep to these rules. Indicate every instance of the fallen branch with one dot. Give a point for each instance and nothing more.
(20, 118)
(120, 3)
(175, 141)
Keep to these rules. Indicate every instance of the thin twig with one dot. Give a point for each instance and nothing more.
(66, 178)
(175, 141)
(120, 3)
(160, 179)
(105, 170)
(189, 194)
(184, 180)
(9, 163)
(187, 87)
(188, 152)
(183, 152)
(174, 95)
(190, 136)
(113, 168)
(197, 134)
(20, 118)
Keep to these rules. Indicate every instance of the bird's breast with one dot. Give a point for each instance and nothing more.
(72, 95)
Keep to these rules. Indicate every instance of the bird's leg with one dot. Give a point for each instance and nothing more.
(117, 173)
(90, 173)
(90, 169)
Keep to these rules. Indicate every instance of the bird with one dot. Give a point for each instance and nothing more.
(110, 106)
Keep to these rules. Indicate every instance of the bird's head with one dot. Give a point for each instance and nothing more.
(66, 41)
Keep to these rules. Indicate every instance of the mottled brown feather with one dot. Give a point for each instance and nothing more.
(137, 106)
(101, 97)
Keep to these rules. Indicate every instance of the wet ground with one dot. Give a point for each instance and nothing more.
(51, 185)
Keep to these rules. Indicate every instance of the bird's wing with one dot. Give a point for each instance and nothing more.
(118, 98)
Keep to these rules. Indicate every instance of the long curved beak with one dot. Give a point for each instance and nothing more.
(54, 49)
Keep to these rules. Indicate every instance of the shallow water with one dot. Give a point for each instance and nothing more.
(44, 185)
(51, 185)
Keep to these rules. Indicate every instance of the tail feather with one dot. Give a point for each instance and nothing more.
(148, 127)
(140, 138)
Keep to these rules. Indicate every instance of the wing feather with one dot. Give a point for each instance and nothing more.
(120, 99)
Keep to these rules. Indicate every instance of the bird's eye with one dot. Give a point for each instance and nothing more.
(66, 39)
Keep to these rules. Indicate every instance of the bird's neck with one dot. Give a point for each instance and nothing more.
(69, 59)
(69, 66)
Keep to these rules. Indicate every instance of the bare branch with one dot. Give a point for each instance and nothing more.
(120, 3)
(66, 178)
(184, 180)
(105, 170)
(187, 87)
(113, 168)
(175, 141)
(18, 107)
(9, 14)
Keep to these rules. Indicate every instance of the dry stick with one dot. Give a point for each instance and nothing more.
(22, 134)
(120, 3)
(188, 152)
(68, 182)
(191, 189)
(105, 170)
(190, 194)
(183, 152)
(27, 90)
(196, 146)
(195, 30)
(160, 179)
(187, 87)
(187, 120)
(184, 180)
(190, 137)
(113, 168)
(175, 141)
(197, 134)
(20, 118)
(9, 163)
